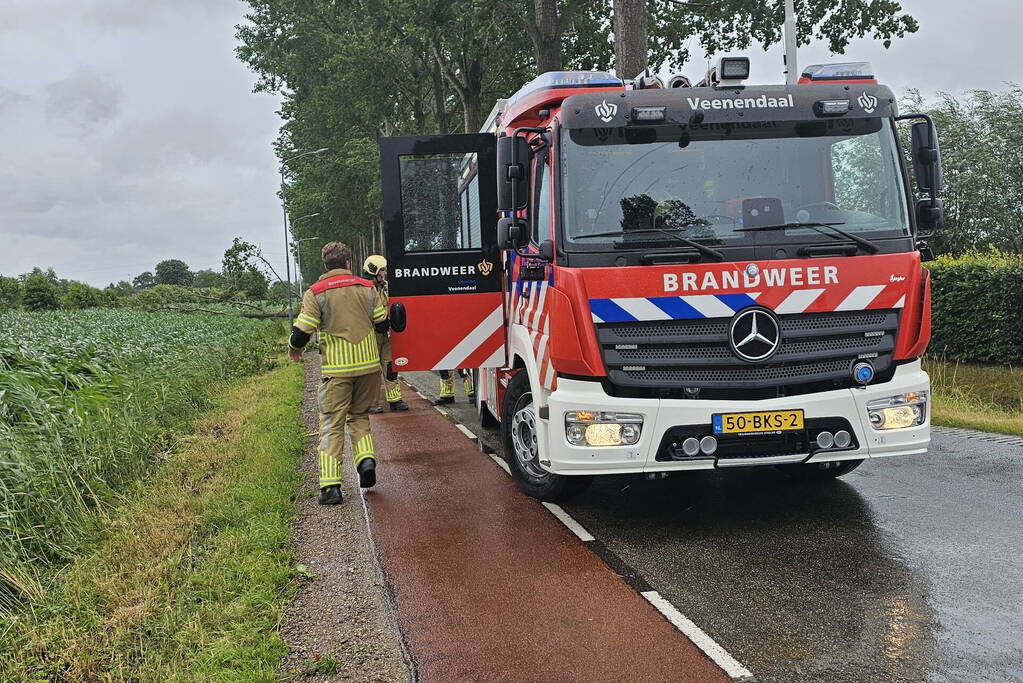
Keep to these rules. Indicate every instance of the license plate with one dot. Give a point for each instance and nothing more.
(758, 423)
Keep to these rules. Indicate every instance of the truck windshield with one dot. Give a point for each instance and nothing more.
(709, 182)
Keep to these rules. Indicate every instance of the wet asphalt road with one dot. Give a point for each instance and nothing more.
(907, 569)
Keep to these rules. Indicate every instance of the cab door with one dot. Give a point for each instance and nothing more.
(445, 279)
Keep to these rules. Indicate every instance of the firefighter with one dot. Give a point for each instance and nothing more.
(447, 387)
(347, 311)
(375, 270)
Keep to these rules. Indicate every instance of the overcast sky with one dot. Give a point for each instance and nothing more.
(129, 132)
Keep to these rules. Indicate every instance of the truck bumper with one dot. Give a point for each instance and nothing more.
(660, 415)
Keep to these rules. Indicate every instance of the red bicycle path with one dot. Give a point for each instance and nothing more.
(488, 585)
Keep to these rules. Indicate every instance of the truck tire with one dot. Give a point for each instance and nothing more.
(518, 435)
(487, 418)
(821, 471)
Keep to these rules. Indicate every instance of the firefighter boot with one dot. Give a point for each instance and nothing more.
(397, 405)
(376, 410)
(447, 389)
(367, 472)
(330, 495)
(470, 390)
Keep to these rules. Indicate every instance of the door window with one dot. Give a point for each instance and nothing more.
(440, 202)
(542, 201)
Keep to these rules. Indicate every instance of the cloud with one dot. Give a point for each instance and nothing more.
(83, 97)
(130, 135)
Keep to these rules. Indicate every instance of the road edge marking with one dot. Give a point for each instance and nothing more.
(501, 463)
(465, 430)
(567, 519)
(699, 638)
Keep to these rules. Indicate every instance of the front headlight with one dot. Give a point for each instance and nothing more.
(595, 428)
(898, 412)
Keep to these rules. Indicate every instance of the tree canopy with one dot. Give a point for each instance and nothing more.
(352, 72)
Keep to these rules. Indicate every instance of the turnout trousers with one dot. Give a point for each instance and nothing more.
(392, 390)
(345, 402)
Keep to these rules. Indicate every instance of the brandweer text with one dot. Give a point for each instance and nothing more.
(734, 279)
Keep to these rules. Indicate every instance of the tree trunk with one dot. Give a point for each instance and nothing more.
(440, 98)
(547, 41)
(471, 93)
(631, 23)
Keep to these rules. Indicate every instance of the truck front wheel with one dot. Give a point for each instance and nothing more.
(521, 449)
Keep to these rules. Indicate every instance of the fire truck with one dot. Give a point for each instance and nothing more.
(649, 277)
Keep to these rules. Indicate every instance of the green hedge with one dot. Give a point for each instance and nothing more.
(977, 307)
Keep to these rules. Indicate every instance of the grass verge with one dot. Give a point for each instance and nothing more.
(985, 397)
(187, 579)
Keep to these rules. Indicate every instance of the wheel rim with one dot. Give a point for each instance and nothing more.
(523, 435)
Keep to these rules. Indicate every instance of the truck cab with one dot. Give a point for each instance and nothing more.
(651, 279)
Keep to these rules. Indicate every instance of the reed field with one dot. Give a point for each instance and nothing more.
(90, 401)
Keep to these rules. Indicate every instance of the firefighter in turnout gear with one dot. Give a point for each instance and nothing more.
(347, 311)
(447, 387)
(375, 270)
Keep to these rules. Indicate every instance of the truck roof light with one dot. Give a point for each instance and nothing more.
(647, 114)
(831, 107)
(843, 71)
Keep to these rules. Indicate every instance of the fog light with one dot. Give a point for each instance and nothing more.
(630, 434)
(596, 428)
(708, 445)
(898, 412)
(691, 446)
(576, 434)
(825, 440)
(843, 439)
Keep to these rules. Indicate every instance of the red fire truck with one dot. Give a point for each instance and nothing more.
(650, 277)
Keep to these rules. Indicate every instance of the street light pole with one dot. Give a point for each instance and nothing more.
(287, 241)
(298, 249)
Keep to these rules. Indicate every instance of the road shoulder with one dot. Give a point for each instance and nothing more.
(338, 628)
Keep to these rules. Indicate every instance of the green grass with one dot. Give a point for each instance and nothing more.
(985, 397)
(187, 579)
(91, 401)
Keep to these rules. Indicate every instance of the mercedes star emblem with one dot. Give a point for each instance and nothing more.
(754, 334)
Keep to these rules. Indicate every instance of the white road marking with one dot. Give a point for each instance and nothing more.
(694, 633)
(422, 395)
(465, 430)
(441, 411)
(502, 463)
(566, 519)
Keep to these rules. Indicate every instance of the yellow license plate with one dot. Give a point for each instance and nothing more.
(759, 422)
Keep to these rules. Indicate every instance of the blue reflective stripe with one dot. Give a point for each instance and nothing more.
(676, 307)
(736, 301)
(610, 312)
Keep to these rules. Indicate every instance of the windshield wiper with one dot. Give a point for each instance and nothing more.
(865, 244)
(703, 249)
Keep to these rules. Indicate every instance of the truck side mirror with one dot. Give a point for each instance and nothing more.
(512, 173)
(926, 157)
(930, 214)
(547, 252)
(512, 232)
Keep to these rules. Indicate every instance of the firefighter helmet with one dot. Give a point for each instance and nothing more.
(374, 263)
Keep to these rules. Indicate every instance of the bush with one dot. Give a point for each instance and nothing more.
(80, 295)
(977, 299)
(40, 294)
(10, 293)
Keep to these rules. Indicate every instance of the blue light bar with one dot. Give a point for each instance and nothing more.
(566, 79)
(839, 72)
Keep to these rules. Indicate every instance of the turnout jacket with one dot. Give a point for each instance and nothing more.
(344, 309)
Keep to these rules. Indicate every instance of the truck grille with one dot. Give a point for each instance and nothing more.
(678, 354)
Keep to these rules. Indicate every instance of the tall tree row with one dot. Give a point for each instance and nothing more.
(352, 72)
